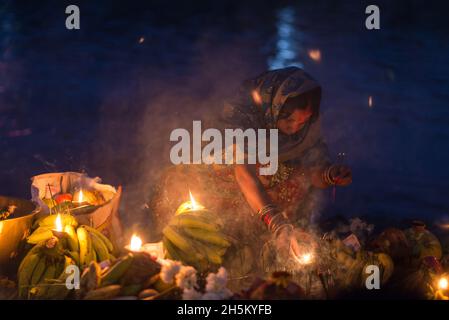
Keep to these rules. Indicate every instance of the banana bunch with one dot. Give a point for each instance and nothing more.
(41, 274)
(84, 243)
(195, 238)
(130, 277)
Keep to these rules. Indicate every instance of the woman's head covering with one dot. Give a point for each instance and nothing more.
(276, 86)
(260, 100)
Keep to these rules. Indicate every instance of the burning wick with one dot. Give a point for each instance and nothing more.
(80, 196)
(304, 259)
(58, 223)
(193, 204)
(135, 244)
(443, 284)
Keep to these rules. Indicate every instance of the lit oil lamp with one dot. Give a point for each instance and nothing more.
(441, 292)
(58, 231)
(135, 245)
(189, 206)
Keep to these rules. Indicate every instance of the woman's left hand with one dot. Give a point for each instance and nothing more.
(341, 175)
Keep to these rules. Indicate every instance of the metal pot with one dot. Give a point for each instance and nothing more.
(15, 229)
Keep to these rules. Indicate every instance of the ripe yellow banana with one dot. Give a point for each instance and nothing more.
(102, 237)
(100, 248)
(72, 238)
(39, 235)
(191, 221)
(215, 238)
(85, 245)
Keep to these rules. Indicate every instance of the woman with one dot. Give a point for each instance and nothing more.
(288, 100)
(285, 99)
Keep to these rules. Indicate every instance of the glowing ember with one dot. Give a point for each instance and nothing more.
(443, 284)
(58, 223)
(305, 258)
(315, 55)
(256, 97)
(141, 40)
(370, 101)
(136, 243)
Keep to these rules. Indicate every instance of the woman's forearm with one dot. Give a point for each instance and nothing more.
(251, 186)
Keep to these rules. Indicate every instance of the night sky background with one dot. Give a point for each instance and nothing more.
(104, 99)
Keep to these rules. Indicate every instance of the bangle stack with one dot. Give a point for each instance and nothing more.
(272, 217)
(327, 178)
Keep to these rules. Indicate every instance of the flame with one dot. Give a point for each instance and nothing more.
(256, 97)
(80, 196)
(58, 223)
(193, 204)
(315, 54)
(370, 101)
(141, 40)
(136, 243)
(442, 283)
(304, 259)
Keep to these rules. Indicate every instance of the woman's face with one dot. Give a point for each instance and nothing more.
(295, 121)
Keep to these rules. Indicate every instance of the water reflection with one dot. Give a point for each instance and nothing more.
(287, 41)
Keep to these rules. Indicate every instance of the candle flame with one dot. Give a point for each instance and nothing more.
(80, 196)
(370, 101)
(136, 243)
(193, 204)
(58, 223)
(443, 283)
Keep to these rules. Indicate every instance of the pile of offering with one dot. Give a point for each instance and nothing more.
(59, 242)
(194, 236)
(75, 202)
(6, 212)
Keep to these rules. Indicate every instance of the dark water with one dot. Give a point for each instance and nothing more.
(105, 98)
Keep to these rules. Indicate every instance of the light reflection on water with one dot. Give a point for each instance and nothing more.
(287, 41)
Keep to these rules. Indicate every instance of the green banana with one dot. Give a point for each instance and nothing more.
(171, 250)
(59, 291)
(197, 260)
(215, 238)
(39, 270)
(26, 272)
(100, 248)
(102, 237)
(85, 246)
(72, 238)
(191, 221)
(116, 271)
(213, 254)
(103, 293)
(43, 285)
(177, 239)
